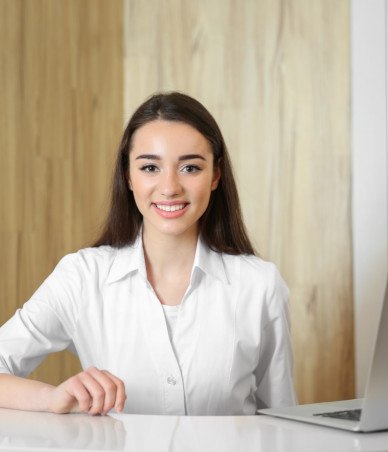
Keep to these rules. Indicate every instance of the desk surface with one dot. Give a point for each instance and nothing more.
(27, 431)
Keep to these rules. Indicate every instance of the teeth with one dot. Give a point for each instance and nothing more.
(170, 208)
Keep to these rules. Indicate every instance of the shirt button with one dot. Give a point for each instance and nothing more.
(171, 380)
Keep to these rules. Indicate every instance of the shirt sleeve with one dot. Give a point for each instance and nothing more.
(274, 374)
(46, 322)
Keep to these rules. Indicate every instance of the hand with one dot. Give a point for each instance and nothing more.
(92, 391)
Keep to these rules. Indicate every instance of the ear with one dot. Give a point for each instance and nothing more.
(129, 184)
(216, 175)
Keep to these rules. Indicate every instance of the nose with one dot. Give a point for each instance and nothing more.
(169, 184)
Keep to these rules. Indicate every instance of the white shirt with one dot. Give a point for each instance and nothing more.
(230, 352)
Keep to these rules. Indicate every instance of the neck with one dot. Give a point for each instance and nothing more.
(166, 253)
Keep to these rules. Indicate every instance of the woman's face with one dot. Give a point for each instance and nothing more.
(171, 174)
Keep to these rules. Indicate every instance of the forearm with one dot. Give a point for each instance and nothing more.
(23, 394)
(92, 391)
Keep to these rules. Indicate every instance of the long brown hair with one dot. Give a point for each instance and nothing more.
(221, 226)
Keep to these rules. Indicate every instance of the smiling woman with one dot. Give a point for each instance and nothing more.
(170, 312)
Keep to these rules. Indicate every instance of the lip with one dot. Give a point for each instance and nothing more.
(170, 209)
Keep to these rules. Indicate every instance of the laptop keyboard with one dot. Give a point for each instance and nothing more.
(350, 415)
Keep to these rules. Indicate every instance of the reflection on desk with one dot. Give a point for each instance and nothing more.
(28, 431)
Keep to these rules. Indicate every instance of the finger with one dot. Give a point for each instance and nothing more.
(96, 392)
(109, 384)
(77, 390)
(120, 392)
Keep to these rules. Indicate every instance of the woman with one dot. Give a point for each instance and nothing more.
(170, 312)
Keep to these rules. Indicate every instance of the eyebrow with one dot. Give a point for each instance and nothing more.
(181, 158)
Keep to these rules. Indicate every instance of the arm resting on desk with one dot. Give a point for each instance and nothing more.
(92, 391)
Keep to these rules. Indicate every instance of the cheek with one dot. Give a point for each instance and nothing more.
(141, 186)
(134, 181)
(203, 190)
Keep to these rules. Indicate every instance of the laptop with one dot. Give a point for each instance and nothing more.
(368, 414)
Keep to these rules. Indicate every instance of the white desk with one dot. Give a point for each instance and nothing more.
(26, 431)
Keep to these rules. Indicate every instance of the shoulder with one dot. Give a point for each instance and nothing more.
(254, 275)
(94, 261)
(86, 257)
(251, 267)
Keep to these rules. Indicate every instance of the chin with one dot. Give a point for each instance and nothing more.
(178, 230)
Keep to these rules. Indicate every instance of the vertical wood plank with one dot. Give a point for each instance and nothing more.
(61, 120)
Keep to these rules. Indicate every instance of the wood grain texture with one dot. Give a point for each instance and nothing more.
(275, 74)
(61, 119)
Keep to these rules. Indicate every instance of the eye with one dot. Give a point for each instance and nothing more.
(149, 168)
(191, 169)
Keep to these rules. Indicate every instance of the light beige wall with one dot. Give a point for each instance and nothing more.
(275, 74)
(61, 120)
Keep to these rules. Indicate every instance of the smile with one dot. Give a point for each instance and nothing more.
(170, 208)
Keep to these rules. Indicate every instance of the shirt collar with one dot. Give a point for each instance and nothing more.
(210, 262)
(131, 258)
(128, 260)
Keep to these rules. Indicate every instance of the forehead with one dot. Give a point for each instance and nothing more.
(161, 134)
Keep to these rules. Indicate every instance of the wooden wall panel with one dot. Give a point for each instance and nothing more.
(275, 74)
(61, 119)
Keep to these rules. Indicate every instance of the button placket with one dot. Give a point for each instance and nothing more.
(163, 354)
